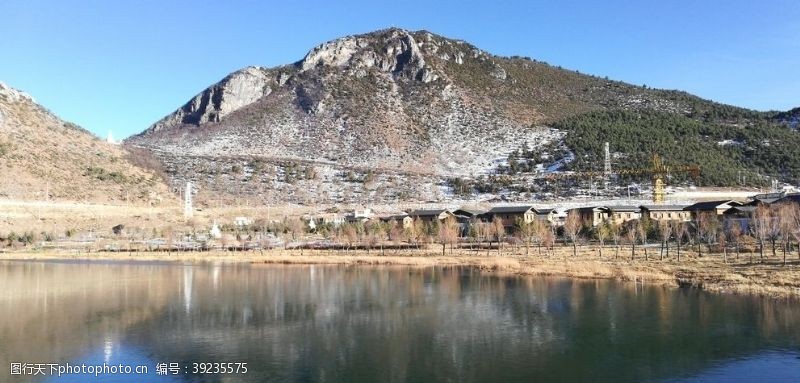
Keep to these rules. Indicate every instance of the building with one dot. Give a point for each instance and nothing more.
(359, 216)
(430, 215)
(402, 219)
(766, 198)
(790, 197)
(591, 215)
(547, 215)
(467, 213)
(741, 215)
(716, 207)
(666, 212)
(622, 214)
(242, 221)
(510, 215)
(466, 217)
(332, 219)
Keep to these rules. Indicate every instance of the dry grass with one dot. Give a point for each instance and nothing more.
(707, 273)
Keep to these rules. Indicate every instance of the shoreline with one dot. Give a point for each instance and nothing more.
(708, 273)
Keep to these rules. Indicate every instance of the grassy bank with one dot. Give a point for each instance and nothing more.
(708, 272)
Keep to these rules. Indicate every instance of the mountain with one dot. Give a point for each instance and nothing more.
(44, 157)
(397, 115)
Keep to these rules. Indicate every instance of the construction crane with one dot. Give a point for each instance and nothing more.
(658, 172)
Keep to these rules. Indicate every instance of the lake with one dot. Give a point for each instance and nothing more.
(378, 324)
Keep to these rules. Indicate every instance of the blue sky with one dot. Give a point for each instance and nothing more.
(122, 65)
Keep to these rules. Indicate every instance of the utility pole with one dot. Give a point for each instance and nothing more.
(187, 201)
(607, 165)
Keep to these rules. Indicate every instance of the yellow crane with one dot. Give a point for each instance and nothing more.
(658, 171)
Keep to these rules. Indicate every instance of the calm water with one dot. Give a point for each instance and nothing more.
(348, 324)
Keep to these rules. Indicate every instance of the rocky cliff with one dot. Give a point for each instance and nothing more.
(411, 107)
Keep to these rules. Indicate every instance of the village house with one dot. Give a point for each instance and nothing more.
(666, 212)
(430, 215)
(740, 215)
(765, 199)
(591, 215)
(466, 214)
(402, 219)
(466, 217)
(332, 219)
(510, 215)
(622, 214)
(547, 215)
(715, 207)
(359, 216)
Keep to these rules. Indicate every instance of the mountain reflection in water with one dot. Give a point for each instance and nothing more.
(336, 323)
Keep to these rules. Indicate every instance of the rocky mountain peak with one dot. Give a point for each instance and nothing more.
(394, 51)
(238, 89)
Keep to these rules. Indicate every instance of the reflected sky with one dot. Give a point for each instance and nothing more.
(338, 323)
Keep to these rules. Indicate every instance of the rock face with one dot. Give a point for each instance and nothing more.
(393, 102)
(239, 89)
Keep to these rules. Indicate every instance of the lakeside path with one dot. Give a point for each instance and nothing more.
(710, 273)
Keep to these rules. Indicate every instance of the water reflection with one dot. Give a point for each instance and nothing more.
(384, 324)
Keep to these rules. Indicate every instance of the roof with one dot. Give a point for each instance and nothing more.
(769, 196)
(468, 211)
(427, 212)
(584, 208)
(623, 208)
(544, 211)
(742, 209)
(510, 209)
(397, 217)
(663, 207)
(794, 197)
(709, 205)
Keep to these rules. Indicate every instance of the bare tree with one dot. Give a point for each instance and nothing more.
(415, 231)
(448, 233)
(602, 232)
(473, 232)
(549, 239)
(350, 235)
(572, 228)
(786, 213)
(733, 233)
(664, 233)
(722, 241)
(680, 232)
(540, 230)
(774, 228)
(761, 227)
(709, 226)
(483, 231)
(374, 234)
(703, 223)
(631, 235)
(499, 230)
(296, 228)
(642, 228)
(526, 232)
(396, 233)
(796, 226)
(616, 234)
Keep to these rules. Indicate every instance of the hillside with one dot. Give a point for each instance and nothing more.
(393, 114)
(45, 158)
